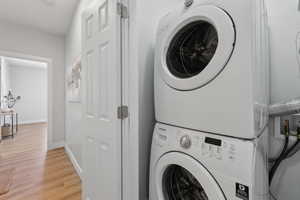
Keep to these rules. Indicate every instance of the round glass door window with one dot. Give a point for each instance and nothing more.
(192, 49)
(180, 184)
(195, 48)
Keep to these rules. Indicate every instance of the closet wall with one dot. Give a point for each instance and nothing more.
(284, 20)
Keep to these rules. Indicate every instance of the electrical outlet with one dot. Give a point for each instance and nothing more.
(294, 122)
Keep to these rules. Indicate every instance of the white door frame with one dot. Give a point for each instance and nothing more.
(130, 97)
(50, 143)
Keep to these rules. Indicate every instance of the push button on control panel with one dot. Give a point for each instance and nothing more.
(161, 137)
(204, 149)
(219, 153)
(231, 152)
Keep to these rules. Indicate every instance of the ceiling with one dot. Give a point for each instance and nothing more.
(16, 62)
(52, 16)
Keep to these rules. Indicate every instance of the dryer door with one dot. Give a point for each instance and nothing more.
(179, 176)
(196, 47)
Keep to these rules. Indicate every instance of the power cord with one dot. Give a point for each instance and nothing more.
(286, 154)
(291, 152)
(294, 149)
(282, 154)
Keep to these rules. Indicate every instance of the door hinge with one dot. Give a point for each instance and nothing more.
(123, 10)
(122, 112)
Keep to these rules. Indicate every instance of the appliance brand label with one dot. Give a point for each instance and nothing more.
(242, 191)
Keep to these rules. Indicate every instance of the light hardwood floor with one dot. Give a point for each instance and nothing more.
(39, 175)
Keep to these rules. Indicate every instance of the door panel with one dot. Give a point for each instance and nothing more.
(89, 84)
(103, 110)
(99, 183)
(101, 89)
(103, 16)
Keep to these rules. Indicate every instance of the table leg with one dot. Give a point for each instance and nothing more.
(17, 122)
(12, 125)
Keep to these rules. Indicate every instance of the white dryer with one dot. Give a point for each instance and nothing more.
(189, 165)
(211, 67)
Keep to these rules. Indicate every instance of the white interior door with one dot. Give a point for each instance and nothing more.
(101, 85)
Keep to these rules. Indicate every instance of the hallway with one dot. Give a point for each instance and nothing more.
(38, 174)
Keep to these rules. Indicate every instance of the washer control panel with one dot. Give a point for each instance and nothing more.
(218, 149)
(227, 155)
(205, 145)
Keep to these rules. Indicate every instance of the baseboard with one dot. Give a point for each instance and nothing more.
(56, 145)
(74, 161)
(32, 122)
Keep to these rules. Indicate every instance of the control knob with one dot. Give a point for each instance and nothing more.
(185, 142)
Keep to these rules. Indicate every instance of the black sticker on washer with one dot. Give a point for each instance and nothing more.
(242, 191)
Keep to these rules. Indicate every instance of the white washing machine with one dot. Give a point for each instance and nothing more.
(211, 67)
(190, 165)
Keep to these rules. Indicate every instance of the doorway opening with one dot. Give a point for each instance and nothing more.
(26, 106)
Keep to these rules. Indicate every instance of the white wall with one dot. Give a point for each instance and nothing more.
(24, 40)
(285, 71)
(31, 84)
(285, 81)
(73, 110)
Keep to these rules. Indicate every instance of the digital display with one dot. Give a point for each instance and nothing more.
(213, 141)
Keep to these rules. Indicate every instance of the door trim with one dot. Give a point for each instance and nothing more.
(130, 97)
(50, 143)
(130, 140)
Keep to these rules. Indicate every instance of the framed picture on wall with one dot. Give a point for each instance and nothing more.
(74, 82)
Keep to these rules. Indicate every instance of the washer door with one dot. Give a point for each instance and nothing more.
(197, 47)
(179, 176)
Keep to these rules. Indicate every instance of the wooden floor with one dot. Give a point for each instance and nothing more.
(39, 175)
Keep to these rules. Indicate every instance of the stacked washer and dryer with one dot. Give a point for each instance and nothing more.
(211, 102)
